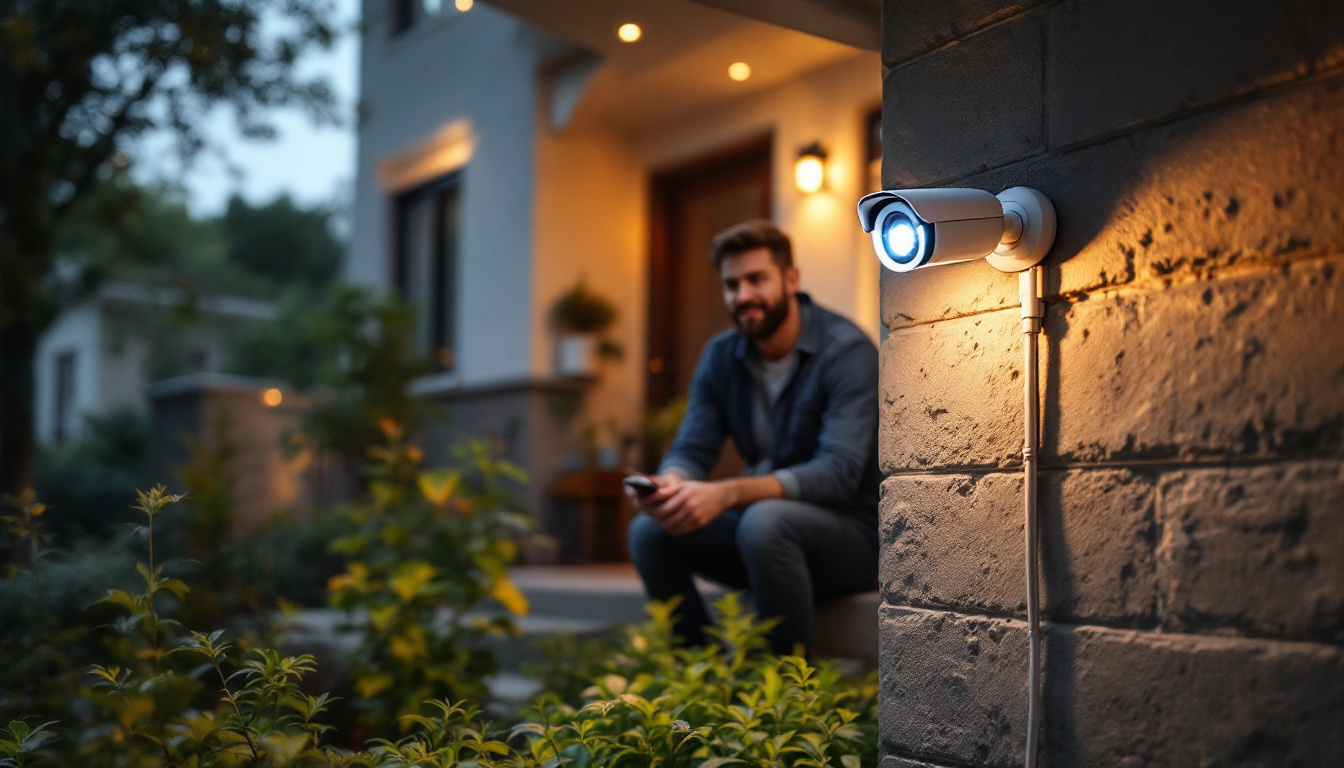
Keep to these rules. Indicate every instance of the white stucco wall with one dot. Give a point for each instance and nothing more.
(476, 72)
(77, 330)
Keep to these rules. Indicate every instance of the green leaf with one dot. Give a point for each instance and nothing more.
(177, 587)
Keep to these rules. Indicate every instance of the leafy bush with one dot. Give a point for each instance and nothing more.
(153, 706)
(431, 550)
(86, 483)
(162, 696)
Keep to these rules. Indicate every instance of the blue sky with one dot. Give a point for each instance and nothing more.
(314, 165)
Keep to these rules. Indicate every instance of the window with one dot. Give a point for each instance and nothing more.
(403, 15)
(425, 263)
(407, 13)
(64, 411)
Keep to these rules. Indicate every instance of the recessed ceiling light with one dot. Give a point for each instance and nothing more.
(739, 70)
(629, 32)
(464, 5)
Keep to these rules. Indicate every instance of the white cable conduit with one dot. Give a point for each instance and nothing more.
(1033, 312)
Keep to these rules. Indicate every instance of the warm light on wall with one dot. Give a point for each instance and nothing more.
(629, 32)
(272, 397)
(464, 5)
(809, 171)
(739, 70)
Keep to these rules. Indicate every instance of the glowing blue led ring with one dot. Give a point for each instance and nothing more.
(901, 239)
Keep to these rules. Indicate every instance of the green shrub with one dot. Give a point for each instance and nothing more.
(165, 697)
(46, 629)
(86, 483)
(731, 703)
(428, 560)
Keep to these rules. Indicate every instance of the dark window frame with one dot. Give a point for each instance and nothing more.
(442, 193)
(63, 406)
(404, 14)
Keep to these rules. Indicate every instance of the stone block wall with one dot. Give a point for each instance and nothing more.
(1192, 379)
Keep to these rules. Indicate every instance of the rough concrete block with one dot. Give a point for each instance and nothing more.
(1130, 698)
(954, 690)
(910, 29)
(954, 290)
(952, 394)
(953, 541)
(1123, 62)
(974, 105)
(1247, 183)
(952, 687)
(1251, 366)
(956, 541)
(1256, 548)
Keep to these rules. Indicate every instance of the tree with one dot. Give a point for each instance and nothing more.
(79, 79)
(281, 241)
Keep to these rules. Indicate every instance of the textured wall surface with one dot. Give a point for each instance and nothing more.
(1192, 386)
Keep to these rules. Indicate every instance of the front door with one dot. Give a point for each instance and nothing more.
(691, 204)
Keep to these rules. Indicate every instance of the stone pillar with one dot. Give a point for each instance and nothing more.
(227, 416)
(1192, 499)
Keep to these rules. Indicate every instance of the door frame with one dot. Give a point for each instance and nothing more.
(752, 158)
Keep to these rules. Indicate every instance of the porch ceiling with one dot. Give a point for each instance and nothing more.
(679, 66)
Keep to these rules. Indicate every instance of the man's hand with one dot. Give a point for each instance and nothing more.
(647, 504)
(689, 505)
(683, 506)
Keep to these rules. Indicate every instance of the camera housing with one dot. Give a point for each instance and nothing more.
(913, 228)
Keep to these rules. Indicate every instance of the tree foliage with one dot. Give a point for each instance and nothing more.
(80, 80)
(281, 241)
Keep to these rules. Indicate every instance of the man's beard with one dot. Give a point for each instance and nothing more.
(763, 327)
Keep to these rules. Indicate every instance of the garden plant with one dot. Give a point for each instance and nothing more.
(428, 560)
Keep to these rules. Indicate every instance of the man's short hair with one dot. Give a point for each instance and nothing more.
(748, 236)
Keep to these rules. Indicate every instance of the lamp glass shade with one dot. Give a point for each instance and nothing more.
(809, 173)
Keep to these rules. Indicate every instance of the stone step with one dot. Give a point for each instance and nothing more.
(589, 600)
(610, 593)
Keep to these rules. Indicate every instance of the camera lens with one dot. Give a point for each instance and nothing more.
(902, 236)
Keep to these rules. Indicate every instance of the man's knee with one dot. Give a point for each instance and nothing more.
(767, 528)
(646, 539)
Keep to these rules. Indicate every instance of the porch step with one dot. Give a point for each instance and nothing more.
(610, 593)
(589, 600)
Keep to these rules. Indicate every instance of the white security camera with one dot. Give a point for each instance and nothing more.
(914, 228)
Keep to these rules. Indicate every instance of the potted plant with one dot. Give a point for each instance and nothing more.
(581, 317)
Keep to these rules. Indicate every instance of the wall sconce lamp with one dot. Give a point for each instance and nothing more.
(809, 170)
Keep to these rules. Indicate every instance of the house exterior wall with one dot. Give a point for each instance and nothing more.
(79, 331)
(114, 348)
(592, 225)
(473, 76)
(1192, 502)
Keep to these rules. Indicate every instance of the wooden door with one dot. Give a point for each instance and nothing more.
(691, 204)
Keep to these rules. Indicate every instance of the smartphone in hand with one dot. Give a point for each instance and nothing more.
(641, 485)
